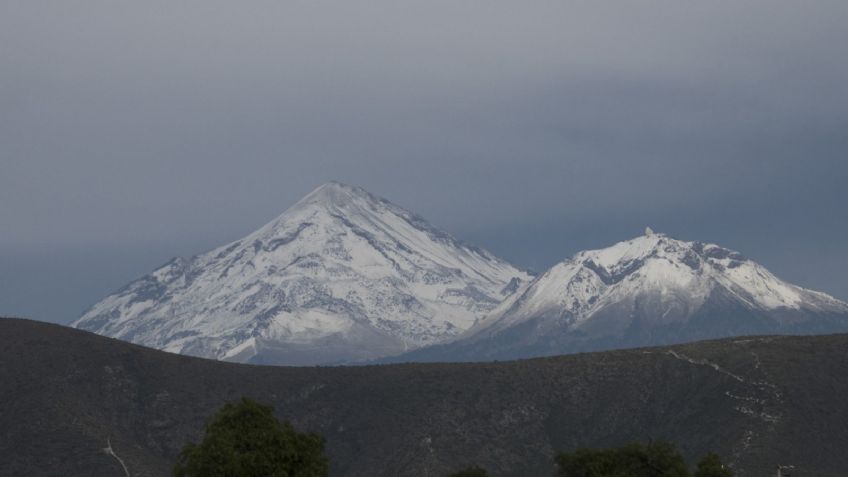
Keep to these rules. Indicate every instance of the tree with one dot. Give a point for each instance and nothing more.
(246, 440)
(656, 459)
(470, 472)
(711, 466)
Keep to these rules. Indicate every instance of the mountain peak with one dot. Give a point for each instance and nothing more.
(338, 187)
(342, 275)
(671, 274)
(331, 201)
(629, 251)
(335, 193)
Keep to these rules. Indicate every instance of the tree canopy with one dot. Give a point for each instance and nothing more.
(244, 439)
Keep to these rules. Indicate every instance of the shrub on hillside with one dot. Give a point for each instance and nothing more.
(655, 459)
(470, 472)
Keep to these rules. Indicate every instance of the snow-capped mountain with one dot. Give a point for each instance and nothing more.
(647, 291)
(341, 276)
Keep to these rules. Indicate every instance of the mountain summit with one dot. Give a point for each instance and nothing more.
(650, 290)
(340, 276)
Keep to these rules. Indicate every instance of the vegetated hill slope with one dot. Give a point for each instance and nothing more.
(758, 402)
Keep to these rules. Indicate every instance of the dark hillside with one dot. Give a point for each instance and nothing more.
(758, 402)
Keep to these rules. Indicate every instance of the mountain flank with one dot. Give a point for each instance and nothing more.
(758, 401)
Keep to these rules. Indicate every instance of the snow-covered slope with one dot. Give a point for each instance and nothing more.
(340, 276)
(647, 291)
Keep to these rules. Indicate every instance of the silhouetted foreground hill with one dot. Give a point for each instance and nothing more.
(758, 402)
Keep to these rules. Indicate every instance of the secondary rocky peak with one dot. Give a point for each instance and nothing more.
(648, 290)
(659, 246)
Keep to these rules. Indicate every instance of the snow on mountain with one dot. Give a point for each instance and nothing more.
(341, 276)
(646, 291)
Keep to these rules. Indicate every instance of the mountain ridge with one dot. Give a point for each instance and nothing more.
(345, 277)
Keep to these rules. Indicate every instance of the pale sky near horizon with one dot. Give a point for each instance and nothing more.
(134, 132)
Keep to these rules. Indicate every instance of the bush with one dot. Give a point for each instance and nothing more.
(656, 459)
(246, 440)
(711, 466)
(470, 472)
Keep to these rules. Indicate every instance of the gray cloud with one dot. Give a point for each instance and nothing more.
(133, 132)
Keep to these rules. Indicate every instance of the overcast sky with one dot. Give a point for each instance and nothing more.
(132, 132)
